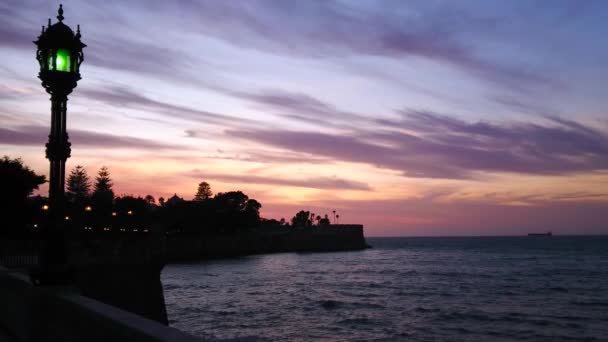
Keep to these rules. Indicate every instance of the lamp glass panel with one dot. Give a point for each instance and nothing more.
(63, 60)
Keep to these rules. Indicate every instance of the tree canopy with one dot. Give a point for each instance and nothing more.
(301, 219)
(103, 194)
(18, 181)
(203, 192)
(78, 185)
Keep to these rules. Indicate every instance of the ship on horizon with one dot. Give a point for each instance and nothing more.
(541, 234)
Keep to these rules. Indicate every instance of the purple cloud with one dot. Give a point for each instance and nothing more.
(127, 97)
(330, 29)
(300, 107)
(314, 182)
(444, 147)
(38, 136)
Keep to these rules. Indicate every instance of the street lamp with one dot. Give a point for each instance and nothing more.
(59, 54)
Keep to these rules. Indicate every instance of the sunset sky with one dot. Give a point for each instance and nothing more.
(410, 117)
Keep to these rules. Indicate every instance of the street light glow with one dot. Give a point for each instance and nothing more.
(45, 207)
(62, 61)
(88, 208)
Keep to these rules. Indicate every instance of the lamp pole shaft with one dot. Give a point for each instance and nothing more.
(58, 148)
(57, 152)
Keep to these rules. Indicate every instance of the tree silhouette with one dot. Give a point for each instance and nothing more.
(302, 219)
(103, 195)
(203, 192)
(324, 221)
(79, 185)
(236, 210)
(17, 182)
(150, 199)
(252, 211)
(161, 201)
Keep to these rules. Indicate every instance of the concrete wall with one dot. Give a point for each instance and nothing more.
(31, 313)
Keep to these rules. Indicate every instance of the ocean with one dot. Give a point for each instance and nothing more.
(409, 289)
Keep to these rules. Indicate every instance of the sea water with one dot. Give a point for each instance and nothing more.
(410, 289)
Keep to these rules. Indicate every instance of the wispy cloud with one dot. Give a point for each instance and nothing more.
(37, 136)
(313, 182)
(330, 29)
(445, 147)
(120, 96)
(301, 107)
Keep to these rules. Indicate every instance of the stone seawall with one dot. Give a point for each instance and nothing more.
(306, 239)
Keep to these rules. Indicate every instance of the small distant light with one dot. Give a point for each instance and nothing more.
(145, 230)
(67, 218)
(35, 225)
(45, 207)
(135, 230)
(88, 208)
(113, 213)
(130, 212)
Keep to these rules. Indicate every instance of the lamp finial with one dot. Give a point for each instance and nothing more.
(60, 12)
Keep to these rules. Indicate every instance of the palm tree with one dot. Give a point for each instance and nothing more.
(338, 219)
(334, 215)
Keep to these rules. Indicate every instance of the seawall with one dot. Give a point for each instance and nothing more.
(36, 313)
(123, 273)
(305, 239)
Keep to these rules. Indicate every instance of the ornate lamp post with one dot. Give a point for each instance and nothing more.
(59, 55)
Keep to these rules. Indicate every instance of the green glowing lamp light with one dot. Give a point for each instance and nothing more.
(62, 61)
